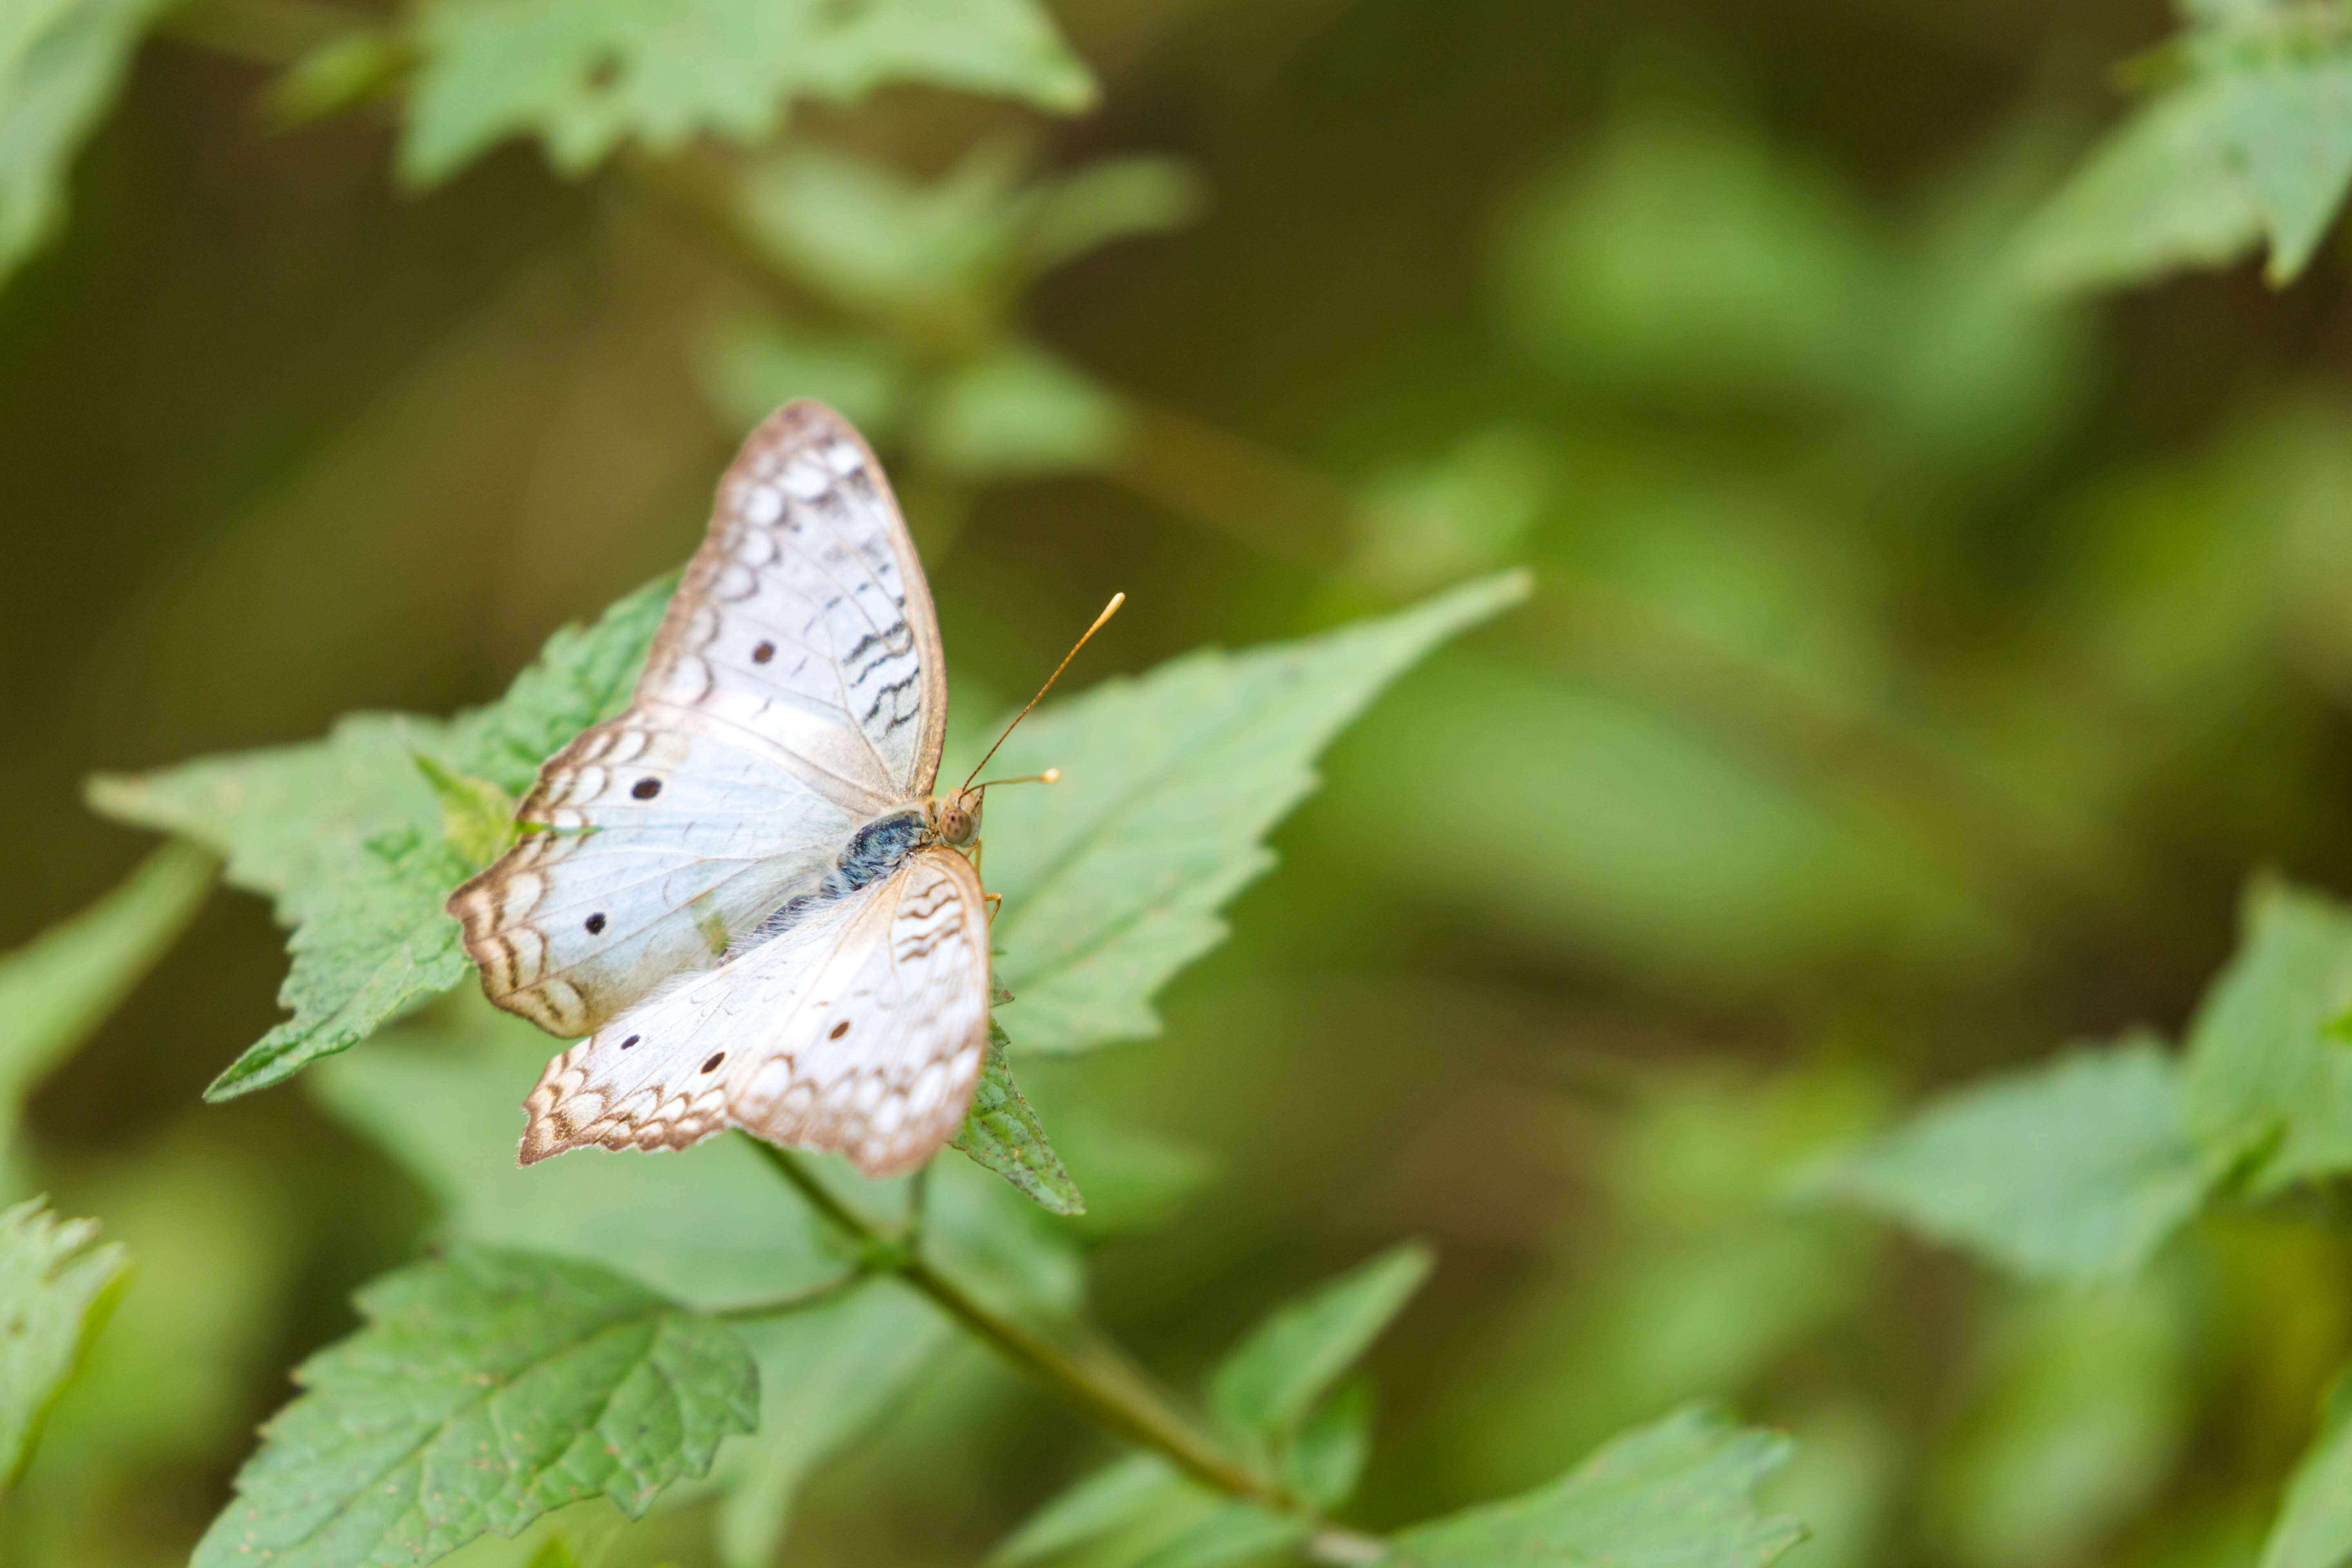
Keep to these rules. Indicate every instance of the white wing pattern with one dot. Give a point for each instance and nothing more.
(859, 1029)
(796, 688)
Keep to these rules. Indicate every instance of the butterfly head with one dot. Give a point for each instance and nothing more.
(954, 816)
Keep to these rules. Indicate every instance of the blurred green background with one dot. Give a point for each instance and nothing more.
(1920, 663)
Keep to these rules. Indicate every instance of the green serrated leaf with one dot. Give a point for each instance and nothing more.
(584, 76)
(584, 674)
(61, 63)
(2288, 124)
(2159, 194)
(2247, 138)
(2314, 1523)
(477, 816)
(711, 1227)
(1113, 878)
(1681, 1491)
(2075, 1169)
(55, 1290)
(1005, 1135)
(372, 944)
(485, 1390)
(1270, 1381)
(57, 988)
(347, 837)
(2265, 1085)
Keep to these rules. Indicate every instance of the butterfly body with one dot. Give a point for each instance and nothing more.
(743, 889)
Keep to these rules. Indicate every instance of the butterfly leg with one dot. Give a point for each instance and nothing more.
(973, 854)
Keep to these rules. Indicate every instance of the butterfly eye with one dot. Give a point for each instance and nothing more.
(646, 789)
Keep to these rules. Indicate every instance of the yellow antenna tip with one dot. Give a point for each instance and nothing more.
(1053, 773)
(1051, 776)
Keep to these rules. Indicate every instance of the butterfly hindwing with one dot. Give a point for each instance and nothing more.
(795, 687)
(880, 1062)
(859, 1029)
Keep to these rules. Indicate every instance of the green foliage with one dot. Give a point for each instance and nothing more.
(2077, 1169)
(59, 988)
(1696, 1277)
(944, 259)
(1270, 1391)
(1020, 412)
(1326, 1457)
(1003, 1134)
(931, 273)
(55, 1290)
(1228, 1533)
(61, 63)
(828, 1375)
(2314, 1523)
(583, 78)
(1916, 655)
(2269, 1081)
(1676, 1492)
(351, 835)
(1110, 1499)
(707, 1228)
(711, 1228)
(1112, 878)
(2079, 1409)
(485, 1390)
(2245, 139)
(1621, 270)
(1274, 1378)
(2081, 1169)
(348, 835)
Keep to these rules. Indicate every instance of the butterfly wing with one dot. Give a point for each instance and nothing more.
(795, 687)
(859, 1029)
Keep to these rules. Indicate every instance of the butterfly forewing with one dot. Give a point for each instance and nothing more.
(795, 687)
(859, 1029)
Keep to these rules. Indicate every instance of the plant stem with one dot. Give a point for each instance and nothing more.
(794, 1301)
(1093, 1379)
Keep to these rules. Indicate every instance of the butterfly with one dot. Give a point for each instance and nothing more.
(742, 890)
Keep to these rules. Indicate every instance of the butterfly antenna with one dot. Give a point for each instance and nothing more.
(1108, 610)
(1051, 776)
